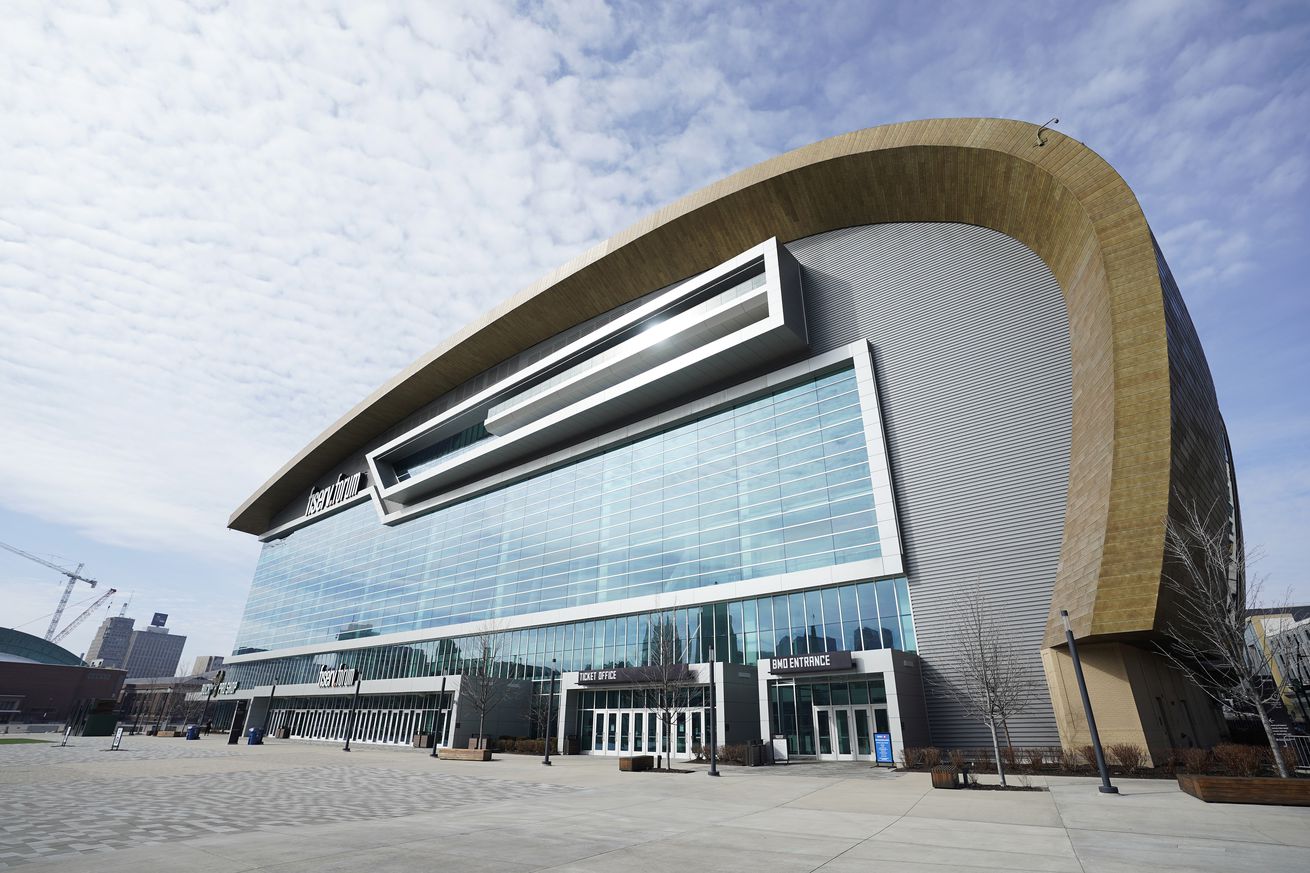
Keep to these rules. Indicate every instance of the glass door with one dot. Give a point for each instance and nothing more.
(641, 731)
(863, 734)
(845, 733)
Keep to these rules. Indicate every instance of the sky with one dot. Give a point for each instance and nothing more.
(224, 224)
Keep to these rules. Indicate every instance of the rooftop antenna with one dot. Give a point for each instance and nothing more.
(1041, 142)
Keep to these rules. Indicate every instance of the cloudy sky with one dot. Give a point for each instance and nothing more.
(222, 224)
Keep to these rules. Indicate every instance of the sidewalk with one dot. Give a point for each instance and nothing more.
(205, 806)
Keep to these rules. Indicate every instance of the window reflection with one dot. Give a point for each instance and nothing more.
(624, 641)
(776, 484)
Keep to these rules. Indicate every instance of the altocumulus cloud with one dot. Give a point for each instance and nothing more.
(221, 225)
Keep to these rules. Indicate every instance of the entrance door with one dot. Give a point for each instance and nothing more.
(641, 731)
(845, 733)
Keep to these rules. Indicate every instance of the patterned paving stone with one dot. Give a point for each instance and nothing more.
(84, 750)
(45, 820)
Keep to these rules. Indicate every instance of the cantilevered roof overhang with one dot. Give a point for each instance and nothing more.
(1060, 199)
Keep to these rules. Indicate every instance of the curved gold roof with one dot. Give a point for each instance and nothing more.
(1061, 199)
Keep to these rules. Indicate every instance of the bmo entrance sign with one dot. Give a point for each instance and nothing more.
(820, 663)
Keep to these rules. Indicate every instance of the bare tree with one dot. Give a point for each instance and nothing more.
(1205, 574)
(482, 689)
(541, 711)
(986, 673)
(666, 676)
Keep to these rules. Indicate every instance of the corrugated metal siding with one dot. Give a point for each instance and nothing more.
(971, 346)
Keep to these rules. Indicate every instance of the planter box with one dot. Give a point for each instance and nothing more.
(636, 763)
(169, 734)
(465, 754)
(944, 777)
(1269, 790)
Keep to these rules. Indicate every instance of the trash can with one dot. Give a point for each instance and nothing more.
(572, 746)
(255, 737)
(755, 754)
(193, 732)
(284, 733)
(779, 748)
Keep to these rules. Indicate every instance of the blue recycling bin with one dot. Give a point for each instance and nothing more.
(193, 732)
(256, 737)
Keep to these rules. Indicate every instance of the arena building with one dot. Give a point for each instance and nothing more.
(790, 425)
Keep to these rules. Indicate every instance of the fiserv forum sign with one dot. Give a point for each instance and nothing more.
(344, 488)
(341, 677)
(811, 663)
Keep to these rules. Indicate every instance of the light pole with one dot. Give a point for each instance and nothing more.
(438, 731)
(354, 704)
(213, 689)
(550, 707)
(1106, 787)
(714, 720)
(263, 732)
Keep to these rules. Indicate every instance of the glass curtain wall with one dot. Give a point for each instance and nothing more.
(854, 617)
(776, 484)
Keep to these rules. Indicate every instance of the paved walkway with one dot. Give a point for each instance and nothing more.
(169, 804)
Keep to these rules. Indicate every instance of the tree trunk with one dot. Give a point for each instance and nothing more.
(1273, 742)
(668, 745)
(481, 719)
(996, 750)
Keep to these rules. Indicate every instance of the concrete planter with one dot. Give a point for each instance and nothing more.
(636, 763)
(465, 754)
(1269, 790)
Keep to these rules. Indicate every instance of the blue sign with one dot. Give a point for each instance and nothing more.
(882, 748)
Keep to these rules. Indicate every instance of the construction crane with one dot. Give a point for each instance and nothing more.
(68, 628)
(74, 576)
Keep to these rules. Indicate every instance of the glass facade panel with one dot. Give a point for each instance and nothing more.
(775, 484)
(435, 657)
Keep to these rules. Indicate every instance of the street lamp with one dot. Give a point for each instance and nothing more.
(714, 720)
(213, 689)
(550, 707)
(354, 704)
(263, 732)
(438, 731)
(1106, 787)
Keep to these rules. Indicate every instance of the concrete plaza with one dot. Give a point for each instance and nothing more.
(169, 804)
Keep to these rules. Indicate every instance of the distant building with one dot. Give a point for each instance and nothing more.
(42, 683)
(153, 652)
(206, 664)
(1283, 637)
(161, 700)
(109, 648)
